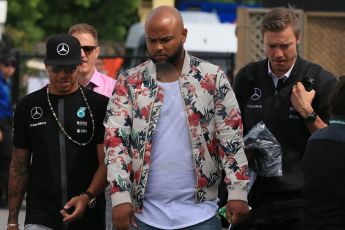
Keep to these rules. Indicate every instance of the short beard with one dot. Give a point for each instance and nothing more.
(174, 58)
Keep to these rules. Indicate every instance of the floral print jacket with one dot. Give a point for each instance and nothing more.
(215, 130)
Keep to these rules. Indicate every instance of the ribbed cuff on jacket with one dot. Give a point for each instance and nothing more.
(120, 198)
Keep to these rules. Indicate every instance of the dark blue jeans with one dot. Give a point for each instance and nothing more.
(210, 224)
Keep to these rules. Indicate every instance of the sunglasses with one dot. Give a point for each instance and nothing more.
(88, 49)
(57, 68)
(12, 63)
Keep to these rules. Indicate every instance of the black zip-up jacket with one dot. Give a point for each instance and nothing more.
(259, 101)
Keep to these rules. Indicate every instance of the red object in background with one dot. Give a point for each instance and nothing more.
(111, 66)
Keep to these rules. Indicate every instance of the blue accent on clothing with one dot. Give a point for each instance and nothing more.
(337, 122)
(81, 112)
(335, 132)
(5, 99)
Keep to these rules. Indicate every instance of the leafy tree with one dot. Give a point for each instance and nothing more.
(21, 22)
(29, 22)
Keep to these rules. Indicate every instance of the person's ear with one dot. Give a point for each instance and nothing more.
(298, 39)
(297, 46)
(97, 51)
(184, 35)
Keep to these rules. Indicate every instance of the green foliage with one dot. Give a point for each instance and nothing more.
(21, 22)
(29, 22)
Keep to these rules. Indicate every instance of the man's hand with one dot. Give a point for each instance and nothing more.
(123, 216)
(237, 211)
(77, 205)
(301, 99)
(1, 136)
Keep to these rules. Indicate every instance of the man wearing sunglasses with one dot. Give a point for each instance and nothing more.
(92, 79)
(58, 158)
(7, 69)
(88, 75)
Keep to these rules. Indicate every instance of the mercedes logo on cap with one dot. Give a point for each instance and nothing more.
(36, 113)
(62, 49)
(256, 94)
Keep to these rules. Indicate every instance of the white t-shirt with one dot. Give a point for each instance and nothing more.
(169, 201)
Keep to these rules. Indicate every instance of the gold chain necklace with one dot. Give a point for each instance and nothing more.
(60, 126)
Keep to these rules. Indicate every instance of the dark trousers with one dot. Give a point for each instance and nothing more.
(288, 225)
(5, 160)
(282, 215)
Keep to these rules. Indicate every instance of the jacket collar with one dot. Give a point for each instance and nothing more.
(151, 68)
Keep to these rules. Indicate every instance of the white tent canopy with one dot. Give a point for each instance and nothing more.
(217, 38)
(205, 34)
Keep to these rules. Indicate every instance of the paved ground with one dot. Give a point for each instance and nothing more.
(4, 215)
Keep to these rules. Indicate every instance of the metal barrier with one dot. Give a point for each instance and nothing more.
(116, 64)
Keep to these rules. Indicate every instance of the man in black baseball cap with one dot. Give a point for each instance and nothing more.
(58, 138)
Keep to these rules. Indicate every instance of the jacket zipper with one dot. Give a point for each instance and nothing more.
(191, 141)
(155, 96)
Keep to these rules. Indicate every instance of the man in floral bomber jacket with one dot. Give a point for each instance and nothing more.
(172, 125)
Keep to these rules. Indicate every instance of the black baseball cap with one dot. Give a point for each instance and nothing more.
(8, 59)
(63, 49)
